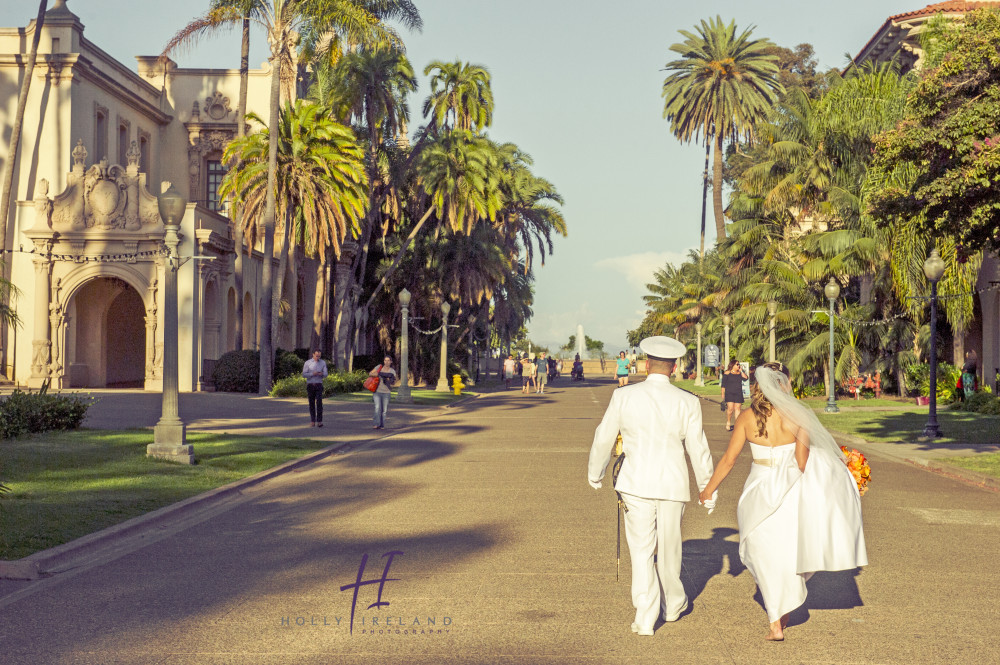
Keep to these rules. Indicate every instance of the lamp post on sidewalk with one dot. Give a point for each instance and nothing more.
(772, 310)
(169, 436)
(403, 394)
(831, 291)
(442, 384)
(472, 330)
(933, 270)
(701, 379)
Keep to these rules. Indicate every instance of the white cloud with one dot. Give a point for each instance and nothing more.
(638, 268)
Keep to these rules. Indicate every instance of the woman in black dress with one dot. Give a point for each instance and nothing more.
(732, 392)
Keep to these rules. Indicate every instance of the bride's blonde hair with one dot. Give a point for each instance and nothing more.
(759, 404)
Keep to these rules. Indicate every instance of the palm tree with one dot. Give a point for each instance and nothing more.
(320, 180)
(358, 22)
(461, 97)
(370, 86)
(453, 173)
(8, 173)
(719, 88)
(219, 17)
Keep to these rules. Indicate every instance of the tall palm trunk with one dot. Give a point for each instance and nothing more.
(267, 273)
(8, 173)
(279, 288)
(720, 220)
(399, 256)
(237, 210)
(704, 203)
(319, 305)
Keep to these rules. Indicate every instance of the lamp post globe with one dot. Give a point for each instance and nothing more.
(832, 292)
(933, 270)
(403, 394)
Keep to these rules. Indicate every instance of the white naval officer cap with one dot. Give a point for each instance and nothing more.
(666, 348)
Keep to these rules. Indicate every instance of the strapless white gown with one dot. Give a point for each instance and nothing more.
(793, 524)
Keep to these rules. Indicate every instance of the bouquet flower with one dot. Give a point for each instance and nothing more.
(857, 464)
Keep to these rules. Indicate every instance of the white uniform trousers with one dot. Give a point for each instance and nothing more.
(654, 524)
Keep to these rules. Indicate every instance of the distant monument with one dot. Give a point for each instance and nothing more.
(581, 341)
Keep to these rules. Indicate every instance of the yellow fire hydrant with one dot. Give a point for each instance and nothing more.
(456, 383)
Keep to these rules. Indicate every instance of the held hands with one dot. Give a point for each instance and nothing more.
(708, 500)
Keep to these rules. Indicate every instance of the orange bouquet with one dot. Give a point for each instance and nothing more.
(857, 463)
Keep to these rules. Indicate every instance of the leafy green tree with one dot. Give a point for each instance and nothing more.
(951, 141)
(722, 84)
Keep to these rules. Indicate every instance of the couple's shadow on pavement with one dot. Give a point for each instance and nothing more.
(704, 559)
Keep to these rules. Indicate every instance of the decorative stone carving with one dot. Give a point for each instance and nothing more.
(103, 197)
(43, 205)
(195, 112)
(217, 106)
(56, 322)
(151, 346)
(201, 144)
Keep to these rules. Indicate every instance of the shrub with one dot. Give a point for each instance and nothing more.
(918, 381)
(287, 364)
(981, 402)
(237, 372)
(29, 413)
(292, 386)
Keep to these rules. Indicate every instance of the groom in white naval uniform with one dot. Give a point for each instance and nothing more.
(654, 418)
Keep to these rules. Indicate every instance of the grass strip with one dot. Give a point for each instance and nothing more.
(68, 484)
(907, 424)
(988, 463)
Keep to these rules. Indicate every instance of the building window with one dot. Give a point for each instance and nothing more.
(100, 133)
(144, 148)
(122, 144)
(216, 172)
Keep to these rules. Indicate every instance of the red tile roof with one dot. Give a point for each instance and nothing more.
(947, 7)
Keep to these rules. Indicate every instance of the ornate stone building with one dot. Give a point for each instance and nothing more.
(85, 243)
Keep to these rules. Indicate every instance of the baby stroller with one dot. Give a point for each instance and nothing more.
(577, 373)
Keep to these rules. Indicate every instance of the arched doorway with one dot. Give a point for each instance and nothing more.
(106, 345)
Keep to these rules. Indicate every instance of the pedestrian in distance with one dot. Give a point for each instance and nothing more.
(800, 511)
(969, 377)
(508, 371)
(386, 377)
(527, 374)
(314, 371)
(732, 391)
(622, 370)
(658, 422)
(541, 373)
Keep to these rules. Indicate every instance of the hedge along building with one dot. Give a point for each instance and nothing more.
(85, 241)
(898, 40)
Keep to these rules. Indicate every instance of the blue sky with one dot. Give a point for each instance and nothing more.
(577, 85)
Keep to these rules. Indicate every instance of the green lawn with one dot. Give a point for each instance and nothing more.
(710, 389)
(68, 484)
(907, 423)
(988, 463)
(881, 403)
(421, 396)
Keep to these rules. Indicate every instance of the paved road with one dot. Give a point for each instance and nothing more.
(511, 555)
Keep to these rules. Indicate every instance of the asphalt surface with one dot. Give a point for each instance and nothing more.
(506, 555)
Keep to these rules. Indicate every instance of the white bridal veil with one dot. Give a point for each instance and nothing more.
(831, 536)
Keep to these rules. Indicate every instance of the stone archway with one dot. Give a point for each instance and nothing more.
(106, 339)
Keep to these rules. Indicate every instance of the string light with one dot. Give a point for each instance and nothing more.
(91, 258)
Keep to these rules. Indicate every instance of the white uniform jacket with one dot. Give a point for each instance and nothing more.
(654, 418)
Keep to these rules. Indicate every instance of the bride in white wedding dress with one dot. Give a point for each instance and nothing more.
(800, 511)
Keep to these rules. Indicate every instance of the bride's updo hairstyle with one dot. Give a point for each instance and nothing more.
(759, 404)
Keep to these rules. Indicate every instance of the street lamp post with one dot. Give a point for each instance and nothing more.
(831, 291)
(403, 394)
(442, 384)
(725, 322)
(701, 379)
(933, 270)
(772, 310)
(169, 436)
(472, 329)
